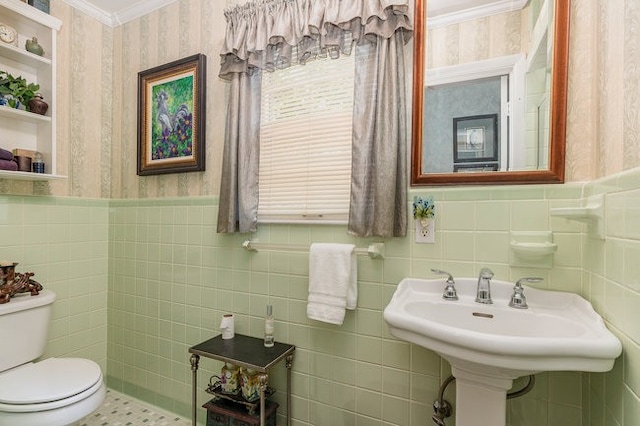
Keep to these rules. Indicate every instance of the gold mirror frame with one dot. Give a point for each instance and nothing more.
(560, 68)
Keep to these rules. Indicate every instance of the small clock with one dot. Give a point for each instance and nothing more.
(8, 34)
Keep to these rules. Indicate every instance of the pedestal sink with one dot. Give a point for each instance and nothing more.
(488, 346)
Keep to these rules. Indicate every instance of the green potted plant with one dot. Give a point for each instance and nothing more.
(15, 91)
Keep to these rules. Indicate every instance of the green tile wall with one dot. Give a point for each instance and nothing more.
(64, 241)
(172, 277)
(139, 281)
(612, 283)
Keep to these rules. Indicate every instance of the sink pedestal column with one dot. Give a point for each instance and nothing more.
(480, 400)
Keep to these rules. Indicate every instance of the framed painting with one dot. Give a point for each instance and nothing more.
(475, 138)
(171, 117)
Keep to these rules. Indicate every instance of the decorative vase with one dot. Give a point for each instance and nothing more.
(42, 5)
(38, 105)
(10, 101)
(230, 379)
(33, 46)
(250, 384)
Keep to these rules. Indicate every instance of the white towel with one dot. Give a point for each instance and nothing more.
(333, 282)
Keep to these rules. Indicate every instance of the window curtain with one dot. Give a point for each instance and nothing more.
(238, 210)
(270, 34)
(378, 204)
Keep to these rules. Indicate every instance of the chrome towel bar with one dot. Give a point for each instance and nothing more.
(374, 250)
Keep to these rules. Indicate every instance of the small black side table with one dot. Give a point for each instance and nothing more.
(248, 352)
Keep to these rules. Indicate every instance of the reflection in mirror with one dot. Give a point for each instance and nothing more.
(489, 94)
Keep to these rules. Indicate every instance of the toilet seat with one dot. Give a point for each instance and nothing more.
(48, 384)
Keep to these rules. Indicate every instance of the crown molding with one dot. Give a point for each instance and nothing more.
(139, 9)
(495, 8)
(135, 11)
(91, 10)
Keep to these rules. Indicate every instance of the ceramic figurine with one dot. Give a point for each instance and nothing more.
(33, 46)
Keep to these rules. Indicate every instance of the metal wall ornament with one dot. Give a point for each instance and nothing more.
(171, 117)
(13, 283)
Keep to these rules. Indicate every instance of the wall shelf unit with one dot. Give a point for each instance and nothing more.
(592, 213)
(19, 128)
(20, 55)
(5, 174)
(21, 115)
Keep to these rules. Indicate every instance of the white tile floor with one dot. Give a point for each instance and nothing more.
(122, 410)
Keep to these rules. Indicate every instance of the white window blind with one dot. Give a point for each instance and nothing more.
(305, 142)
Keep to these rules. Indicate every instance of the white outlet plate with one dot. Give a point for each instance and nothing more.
(426, 233)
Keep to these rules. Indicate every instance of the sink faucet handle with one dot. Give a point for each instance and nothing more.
(450, 290)
(441, 272)
(518, 299)
(528, 280)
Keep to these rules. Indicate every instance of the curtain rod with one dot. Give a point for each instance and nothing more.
(374, 250)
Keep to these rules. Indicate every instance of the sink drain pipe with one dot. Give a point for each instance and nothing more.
(443, 409)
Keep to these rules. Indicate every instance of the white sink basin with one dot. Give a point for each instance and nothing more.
(559, 330)
(490, 345)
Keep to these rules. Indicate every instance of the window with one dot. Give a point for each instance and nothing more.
(305, 142)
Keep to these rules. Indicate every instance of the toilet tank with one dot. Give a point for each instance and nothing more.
(24, 327)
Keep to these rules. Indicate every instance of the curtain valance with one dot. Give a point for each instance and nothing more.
(270, 34)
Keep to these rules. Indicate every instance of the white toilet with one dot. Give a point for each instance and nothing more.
(54, 391)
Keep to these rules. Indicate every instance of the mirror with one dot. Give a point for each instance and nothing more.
(513, 131)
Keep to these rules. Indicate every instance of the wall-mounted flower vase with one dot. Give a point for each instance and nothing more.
(424, 212)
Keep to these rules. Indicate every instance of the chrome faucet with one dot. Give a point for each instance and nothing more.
(483, 293)
(518, 299)
(450, 290)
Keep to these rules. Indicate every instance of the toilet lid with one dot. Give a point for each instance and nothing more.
(49, 380)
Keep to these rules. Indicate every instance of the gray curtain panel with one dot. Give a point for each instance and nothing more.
(271, 34)
(238, 210)
(378, 204)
